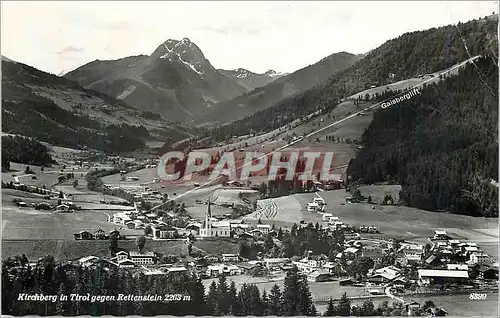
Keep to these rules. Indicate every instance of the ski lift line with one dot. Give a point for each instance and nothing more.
(324, 128)
(468, 53)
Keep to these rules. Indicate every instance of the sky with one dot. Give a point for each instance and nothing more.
(284, 36)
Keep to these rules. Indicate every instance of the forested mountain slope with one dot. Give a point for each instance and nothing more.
(441, 145)
(409, 55)
(296, 82)
(59, 111)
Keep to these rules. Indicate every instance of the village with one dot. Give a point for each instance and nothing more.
(365, 263)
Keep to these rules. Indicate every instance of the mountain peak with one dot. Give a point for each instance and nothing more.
(184, 51)
(273, 73)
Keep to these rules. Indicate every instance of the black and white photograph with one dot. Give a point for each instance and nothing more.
(249, 158)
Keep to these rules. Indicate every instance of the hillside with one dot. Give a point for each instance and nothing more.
(57, 110)
(410, 55)
(294, 83)
(440, 145)
(176, 81)
(251, 80)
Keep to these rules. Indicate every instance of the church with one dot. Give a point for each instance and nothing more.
(214, 229)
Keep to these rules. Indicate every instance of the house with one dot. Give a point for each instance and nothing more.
(440, 235)
(310, 263)
(479, 258)
(211, 258)
(130, 225)
(487, 272)
(334, 268)
(384, 275)
(121, 218)
(176, 270)
(264, 228)
(274, 262)
(245, 236)
(277, 243)
(115, 232)
(256, 232)
(411, 307)
(220, 269)
(352, 252)
(83, 235)
(436, 312)
(432, 260)
(121, 255)
(87, 261)
(459, 267)
(161, 233)
(230, 257)
(142, 258)
(63, 208)
(453, 243)
(126, 263)
(320, 276)
(410, 254)
(194, 227)
(151, 272)
(246, 267)
(104, 264)
(440, 277)
(100, 235)
(326, 216)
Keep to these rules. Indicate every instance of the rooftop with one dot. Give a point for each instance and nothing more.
(442, 273)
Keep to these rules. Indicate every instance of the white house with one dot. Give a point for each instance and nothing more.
(88, 260)
(142, 258)
(479, 258)
(230, 257)
(440, 234)
(264, 228)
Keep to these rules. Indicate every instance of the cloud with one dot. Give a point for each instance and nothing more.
(71, 49)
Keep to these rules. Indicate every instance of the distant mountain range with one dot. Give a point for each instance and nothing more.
(179, 82)
(283, 87)
(251, 80)
(176, 80)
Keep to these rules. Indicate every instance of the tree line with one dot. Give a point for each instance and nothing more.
(24, 150)
(49, 277)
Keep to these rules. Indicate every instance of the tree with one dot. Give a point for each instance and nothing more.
(344, 307)
(330, 309)
(291, 294)
(223, 303)
(140, 242)
(61, 195)
(234, 306)
(428, 304)
(275, 301)
(113, 244)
